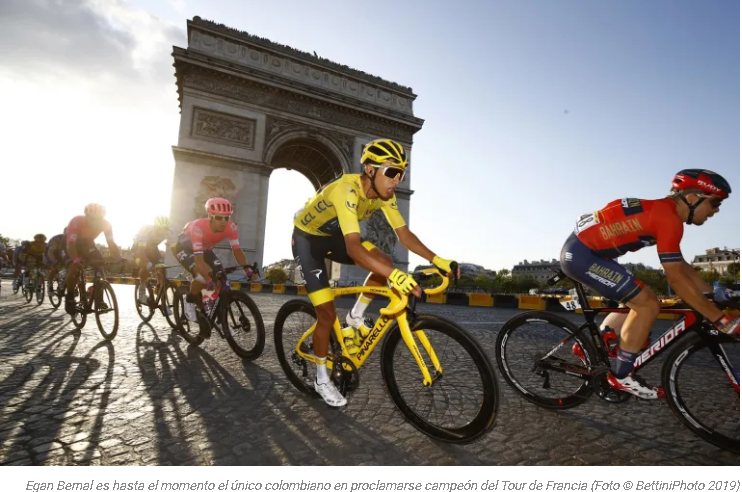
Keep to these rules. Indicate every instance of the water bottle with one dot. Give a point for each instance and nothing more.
(208, 299)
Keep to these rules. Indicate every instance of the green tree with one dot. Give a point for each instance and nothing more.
(709, 276)
(655, 280)
(483, 282)
(733, 270)
(276, 276)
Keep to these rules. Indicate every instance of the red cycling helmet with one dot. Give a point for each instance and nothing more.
(218, 206)
(702, 179)
(95, 210)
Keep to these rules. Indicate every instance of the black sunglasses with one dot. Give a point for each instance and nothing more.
(221, 218)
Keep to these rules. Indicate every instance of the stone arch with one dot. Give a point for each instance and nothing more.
(250, 106)
(312, 154)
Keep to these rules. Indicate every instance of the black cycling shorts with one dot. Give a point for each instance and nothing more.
(310, 253)
(183, 252)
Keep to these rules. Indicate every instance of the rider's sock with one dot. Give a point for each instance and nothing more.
(322, 376)
(624, 363)
(360, 307)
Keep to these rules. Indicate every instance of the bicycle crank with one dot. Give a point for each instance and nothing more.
(344, 375)
(604, 390)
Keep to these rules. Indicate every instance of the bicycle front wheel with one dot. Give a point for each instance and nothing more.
(39, 288)
(167, 305)
(144, 311)
(55, 298)
(28, 292)
(461, 404)
(106, 310)
(701, 378)
(81, 305)
(242, 324)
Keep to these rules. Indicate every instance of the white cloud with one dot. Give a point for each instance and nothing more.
(93, 114)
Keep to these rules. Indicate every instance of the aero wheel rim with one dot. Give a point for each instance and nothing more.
(453, 403)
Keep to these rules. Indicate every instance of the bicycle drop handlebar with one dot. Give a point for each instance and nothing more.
(420, 276)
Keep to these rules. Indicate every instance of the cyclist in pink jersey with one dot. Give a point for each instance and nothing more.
(194, 249)
(80, 246)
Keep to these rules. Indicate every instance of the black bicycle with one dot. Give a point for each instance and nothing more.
(163, 299)
(35, 285)
(555, 364)
(234, 315)
(99, 299)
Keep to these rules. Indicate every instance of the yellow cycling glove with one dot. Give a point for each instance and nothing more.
(403, 282)
(443, 265)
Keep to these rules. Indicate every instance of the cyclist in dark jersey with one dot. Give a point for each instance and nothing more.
(53, 257)
(630, 224)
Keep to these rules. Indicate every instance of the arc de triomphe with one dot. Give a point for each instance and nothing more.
(249, 106)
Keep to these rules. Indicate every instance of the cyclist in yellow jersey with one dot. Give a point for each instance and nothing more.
(328, 228)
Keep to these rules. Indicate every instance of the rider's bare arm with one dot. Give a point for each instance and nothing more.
(693, 275)
(410, 241)
(686, 288)
(363, 258)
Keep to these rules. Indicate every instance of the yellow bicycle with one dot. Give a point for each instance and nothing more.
(452, 375)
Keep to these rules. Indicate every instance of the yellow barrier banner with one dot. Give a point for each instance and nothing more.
(279, 288)
(436, 299)
(301, 290)
(479, 299)
(531, 302)
(256, 287)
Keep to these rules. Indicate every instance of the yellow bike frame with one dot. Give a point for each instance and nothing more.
(388, 315)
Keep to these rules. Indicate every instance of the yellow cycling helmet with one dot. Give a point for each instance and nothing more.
(162, 221)
(384, 151)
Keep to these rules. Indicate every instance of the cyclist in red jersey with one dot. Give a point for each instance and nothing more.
(80, 246)
(194, 249)
(630, 224)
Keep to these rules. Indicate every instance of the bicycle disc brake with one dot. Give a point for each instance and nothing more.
(344, 375)
(604, 390)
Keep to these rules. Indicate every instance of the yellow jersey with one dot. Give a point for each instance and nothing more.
(340, 205)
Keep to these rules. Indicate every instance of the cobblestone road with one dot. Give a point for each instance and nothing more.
(67, 397)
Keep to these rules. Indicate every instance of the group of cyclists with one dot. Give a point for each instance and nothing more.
(327, 227)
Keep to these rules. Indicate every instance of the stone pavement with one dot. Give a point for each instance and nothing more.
(67, 397)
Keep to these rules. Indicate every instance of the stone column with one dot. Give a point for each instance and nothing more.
(200, 176)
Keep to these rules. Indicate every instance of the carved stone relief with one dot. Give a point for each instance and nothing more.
(214, 186)
(292, 104)
(252, 55)
(223, 128)
(381, 234)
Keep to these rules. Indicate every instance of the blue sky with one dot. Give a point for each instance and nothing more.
(535, 112)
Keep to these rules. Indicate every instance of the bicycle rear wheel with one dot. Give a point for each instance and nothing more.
(292, 321)
(242, 324)
(521, 344)
(189, 330)
(699, 377)
(106, 310)
(467, 412)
